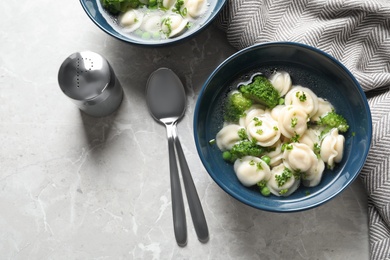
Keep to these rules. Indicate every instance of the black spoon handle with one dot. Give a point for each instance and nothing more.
(197, 214)
(178, 212)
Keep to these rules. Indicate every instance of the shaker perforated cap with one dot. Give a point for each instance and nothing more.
(84, 75)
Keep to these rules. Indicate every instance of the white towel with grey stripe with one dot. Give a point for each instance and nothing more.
(355, 32)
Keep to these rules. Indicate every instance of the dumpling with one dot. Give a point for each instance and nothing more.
(304, 98)
(281, 82)
(173, 25)
(228, 136)
(168, 3)
(324, 107)
(299, 157)
(264, 129)
(253, 111)
(332, 148)
(292, 121)
(151, 23)
(131, 20)
(310, 138)
(195, 8)
(313, 176)
(250, 170)
(282, 182)
(275, 112)
(276, 155)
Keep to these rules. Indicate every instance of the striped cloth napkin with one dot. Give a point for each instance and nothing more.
(357, 33)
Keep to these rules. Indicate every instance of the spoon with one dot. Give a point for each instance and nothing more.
(166, 100)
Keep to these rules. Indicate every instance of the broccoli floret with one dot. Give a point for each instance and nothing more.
(235, 106)
(118, 6)
(334, 120)
(243, 148)
(261, 91)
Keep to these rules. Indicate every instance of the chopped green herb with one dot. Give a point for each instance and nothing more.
(262, 183)
(259, 132)
(295, 138)
(284, 191)
(259, 166)
(189, 25)
(242, 134)
(297, 174)
(317, 149)
(276, 128)
(177, 8)
(301, 97)
(307, 193)
(168, 23)
(184, 11)
(252, 163)
(286, 146)
(258, 121)
(294, 122)
(212, 141)
(284, 177)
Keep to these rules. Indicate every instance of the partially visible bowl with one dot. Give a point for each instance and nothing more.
(310, 68)
(108, 24)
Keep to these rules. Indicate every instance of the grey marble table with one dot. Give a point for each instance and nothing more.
(77, 187)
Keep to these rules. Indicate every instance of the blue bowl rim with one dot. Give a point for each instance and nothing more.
(155, 44)
(317, 202)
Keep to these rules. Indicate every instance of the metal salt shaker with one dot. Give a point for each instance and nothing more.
(89, 81)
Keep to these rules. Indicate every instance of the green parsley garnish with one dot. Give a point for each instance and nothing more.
(317, 149)
(286, 146)
(262, 183)
(302, 97)
(294, 122)
(259, 166)
(177, 8)
(297, 174)
(295, 138)
(168, 23)
(258, 121)
(284, 191)
(242, 134)
(284, 177)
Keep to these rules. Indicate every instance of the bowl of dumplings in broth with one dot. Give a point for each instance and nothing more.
(282, 126)
(152, 22)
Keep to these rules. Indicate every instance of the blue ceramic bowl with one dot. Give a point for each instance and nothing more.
(308, 67)
(106, 22)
